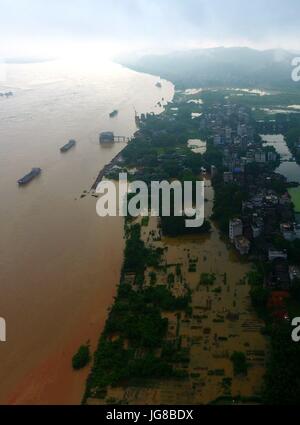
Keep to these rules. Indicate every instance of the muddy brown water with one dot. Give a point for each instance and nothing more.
(59, 262)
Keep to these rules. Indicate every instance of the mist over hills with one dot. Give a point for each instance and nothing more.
(221, 67)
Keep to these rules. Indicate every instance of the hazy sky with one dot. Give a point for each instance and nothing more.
(37, 27)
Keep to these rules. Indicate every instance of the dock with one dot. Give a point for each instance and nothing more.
(109, 137)
(121, 139)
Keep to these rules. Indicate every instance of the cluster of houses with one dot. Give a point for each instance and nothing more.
(264, 216)
(267, 213)
(281, 274)
(231, 128)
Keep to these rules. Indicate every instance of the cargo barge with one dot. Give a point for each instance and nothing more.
(30, 176)
(68, 146)
(114, 113)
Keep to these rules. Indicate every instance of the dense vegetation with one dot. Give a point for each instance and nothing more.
(239, 361)
(135, 325)
(228, 203)
(137, 257)
(175, 226)
(282, 381)
(81, 358)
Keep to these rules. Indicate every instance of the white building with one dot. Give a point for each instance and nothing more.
(235, 229)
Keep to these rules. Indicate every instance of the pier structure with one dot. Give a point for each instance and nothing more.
(109, 137)
(121, 139)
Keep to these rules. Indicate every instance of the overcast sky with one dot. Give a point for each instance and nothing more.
(37, 27)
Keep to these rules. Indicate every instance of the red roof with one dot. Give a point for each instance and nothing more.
(277, 299)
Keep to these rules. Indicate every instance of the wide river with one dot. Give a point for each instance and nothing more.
(59, 262)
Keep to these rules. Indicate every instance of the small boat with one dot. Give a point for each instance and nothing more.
(68, 146)
(30, 176)
(114, 113)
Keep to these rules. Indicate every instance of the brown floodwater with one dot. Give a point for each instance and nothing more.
(59, 262)
(223, 321)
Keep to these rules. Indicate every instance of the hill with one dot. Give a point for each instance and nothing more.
(222, 67)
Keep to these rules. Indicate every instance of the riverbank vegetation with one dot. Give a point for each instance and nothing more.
(135, 329)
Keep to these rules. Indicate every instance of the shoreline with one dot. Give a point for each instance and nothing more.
(106, 169)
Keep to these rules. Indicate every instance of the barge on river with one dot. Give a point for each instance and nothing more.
(30, 176)
(68, 146)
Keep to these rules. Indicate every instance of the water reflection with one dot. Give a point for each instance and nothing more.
(288, 167)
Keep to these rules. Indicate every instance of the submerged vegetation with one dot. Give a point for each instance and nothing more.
(135, 324)
(239, 361)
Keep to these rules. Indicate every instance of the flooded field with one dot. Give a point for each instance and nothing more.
(222, 321)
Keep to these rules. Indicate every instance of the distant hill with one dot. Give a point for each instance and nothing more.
(27, 60)
(222, 67)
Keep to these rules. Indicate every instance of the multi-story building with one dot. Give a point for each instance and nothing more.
(235, 228)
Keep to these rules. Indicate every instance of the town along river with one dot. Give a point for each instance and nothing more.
(60, 263)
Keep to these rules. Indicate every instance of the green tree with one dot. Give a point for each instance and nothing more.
(81, 358)
(239, 361)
